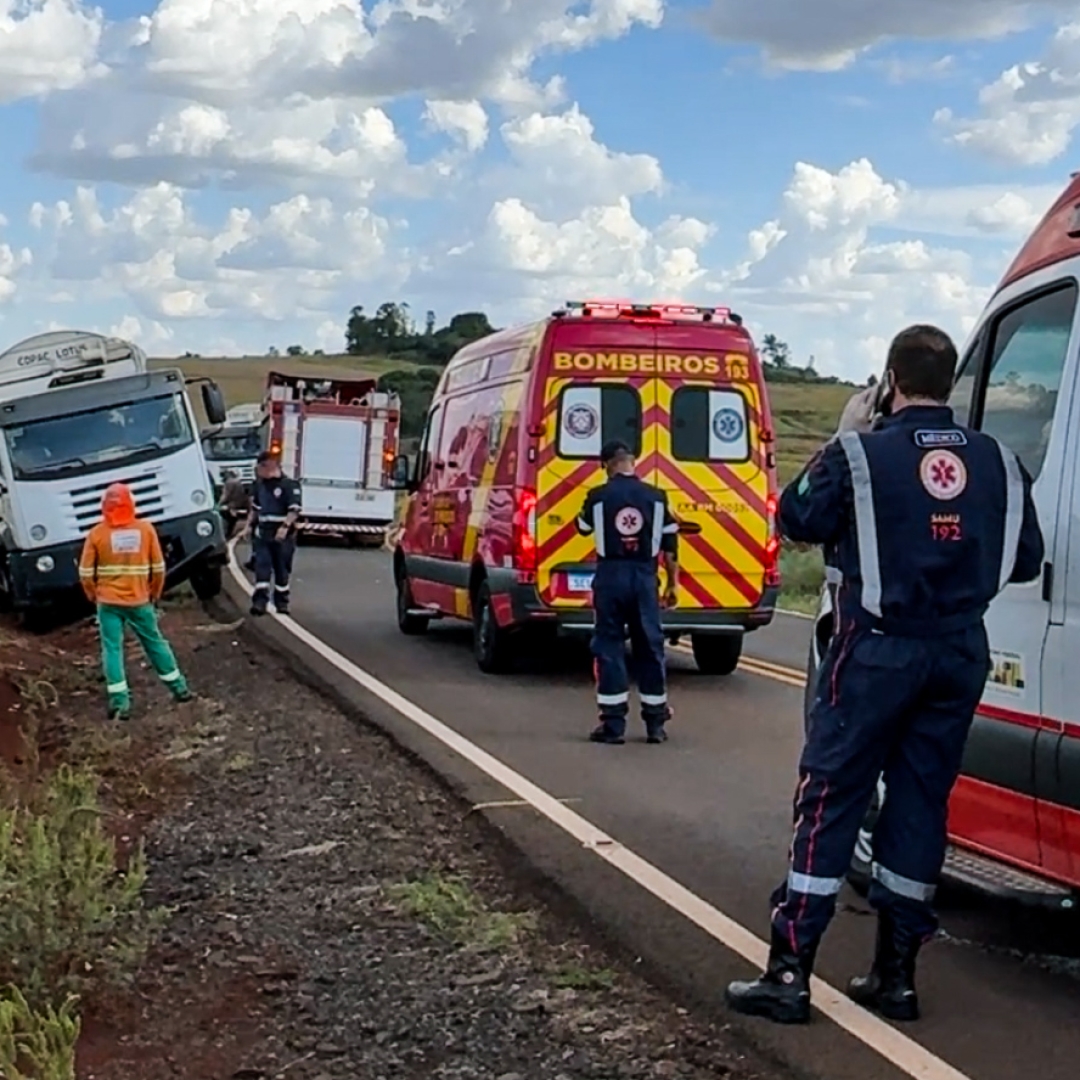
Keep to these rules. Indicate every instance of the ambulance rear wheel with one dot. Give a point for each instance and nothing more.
(491, 643)
(408, 623)
(716, 654)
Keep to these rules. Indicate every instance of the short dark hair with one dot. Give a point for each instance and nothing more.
(614, 450)
(266, 456)
(923, 361)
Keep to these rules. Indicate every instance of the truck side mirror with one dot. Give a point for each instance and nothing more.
(399, 473)
(213, 402)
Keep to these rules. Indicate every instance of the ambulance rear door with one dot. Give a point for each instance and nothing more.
(593, 390)
(711, 461)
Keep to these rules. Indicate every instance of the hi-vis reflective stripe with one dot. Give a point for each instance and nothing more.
(865, 522)
(653, 699)
(657, 527)
(173, 676)
(121, 571)
(612, 699)
(807, 885)
(1014, 513)
(902, 886)
(599, 534)
(116, 687)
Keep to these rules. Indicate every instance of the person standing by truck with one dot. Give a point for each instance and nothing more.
(928, 521)
(275, 508)
(122, 572)
(234, 502)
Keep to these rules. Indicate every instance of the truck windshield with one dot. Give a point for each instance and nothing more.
(82, 441)
(232, 447)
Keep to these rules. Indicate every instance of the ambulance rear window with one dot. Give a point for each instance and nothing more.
(590, 415)
(709, 425)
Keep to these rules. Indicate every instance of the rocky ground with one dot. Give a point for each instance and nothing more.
(335, 912)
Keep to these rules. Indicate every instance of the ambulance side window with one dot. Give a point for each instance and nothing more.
(1024, 361)
(709, 425)
(590, 415)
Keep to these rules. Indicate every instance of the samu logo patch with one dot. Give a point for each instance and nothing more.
(928, 440)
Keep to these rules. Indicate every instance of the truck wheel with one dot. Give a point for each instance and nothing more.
(407, 622)
(491, 643)
(716, 654)
(206, 581)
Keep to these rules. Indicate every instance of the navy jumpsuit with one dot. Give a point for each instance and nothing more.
(631, 524)
(272, 500)
(925, 522)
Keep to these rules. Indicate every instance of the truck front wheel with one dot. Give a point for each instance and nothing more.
(206, 581)
(716, 654)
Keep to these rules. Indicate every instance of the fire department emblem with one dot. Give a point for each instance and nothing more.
(727, 425)
(581, 421)
(943, 474)
(629, 521)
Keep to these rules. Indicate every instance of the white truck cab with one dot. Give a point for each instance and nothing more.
(1014, 820)
(235, 445)
(78, 412)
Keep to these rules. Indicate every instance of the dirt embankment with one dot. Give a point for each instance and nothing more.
(332, 911)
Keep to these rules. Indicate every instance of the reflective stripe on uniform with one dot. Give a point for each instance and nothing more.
(653, 699)
(902, 886)
(657, 527)
(173, 676)
(584, 525)
(281, 588)
(117, 687)
(612, 699)
(262, 584)
(808, 885)
(121, 571)
(598, 527)
(1014, 513)
(834, 575)
(865, 521)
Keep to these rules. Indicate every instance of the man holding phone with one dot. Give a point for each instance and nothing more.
(926, 521)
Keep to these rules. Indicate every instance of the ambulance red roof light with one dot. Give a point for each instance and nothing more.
(664, 312)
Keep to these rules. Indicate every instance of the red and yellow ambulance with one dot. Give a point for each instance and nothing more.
(512, 445)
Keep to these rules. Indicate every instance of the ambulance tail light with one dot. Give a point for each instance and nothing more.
(525, 530)
(772, 544)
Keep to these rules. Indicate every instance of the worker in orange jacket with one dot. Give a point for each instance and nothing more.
(122, 572)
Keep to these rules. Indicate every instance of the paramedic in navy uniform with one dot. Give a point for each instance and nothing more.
(927, 522)
(275, 506)
(631, 526)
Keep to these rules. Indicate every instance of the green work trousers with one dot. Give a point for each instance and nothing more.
(112, 619)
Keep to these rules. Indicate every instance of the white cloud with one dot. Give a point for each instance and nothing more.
(12, 263)
(819, 275)
(46, 45)
(464, 120)
(1027, 116)
(827, 35)
(290, 262)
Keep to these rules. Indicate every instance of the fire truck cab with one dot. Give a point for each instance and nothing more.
(1014, 820)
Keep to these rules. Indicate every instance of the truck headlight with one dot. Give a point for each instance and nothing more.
(38, 532)
(205, 528)
(45, 564)
(198, 497)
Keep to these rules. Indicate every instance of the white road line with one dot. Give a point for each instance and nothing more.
(907, 1055)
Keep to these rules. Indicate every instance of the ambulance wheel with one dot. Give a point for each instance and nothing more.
(206, 582)
(716, 654)
(491, 643)
(408, 623)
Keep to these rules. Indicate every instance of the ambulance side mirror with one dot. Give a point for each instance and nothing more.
(399, 473)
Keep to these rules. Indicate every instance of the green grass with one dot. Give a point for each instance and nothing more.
(454, 911)
(802, 573)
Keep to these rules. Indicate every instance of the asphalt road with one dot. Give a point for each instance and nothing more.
(711, 808)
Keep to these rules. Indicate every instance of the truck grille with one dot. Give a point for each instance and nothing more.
(151, 500)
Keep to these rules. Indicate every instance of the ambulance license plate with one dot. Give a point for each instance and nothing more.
(579, 582)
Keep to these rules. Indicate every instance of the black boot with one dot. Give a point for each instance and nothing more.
(655, 719)
(782, 993)
(889, 989)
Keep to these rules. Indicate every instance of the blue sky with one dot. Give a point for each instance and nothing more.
(222, 178)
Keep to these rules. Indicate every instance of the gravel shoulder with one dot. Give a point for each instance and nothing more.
(335, 912)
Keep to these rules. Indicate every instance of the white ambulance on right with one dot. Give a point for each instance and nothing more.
(1014, 820)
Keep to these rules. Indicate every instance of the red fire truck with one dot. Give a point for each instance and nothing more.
(339, 438)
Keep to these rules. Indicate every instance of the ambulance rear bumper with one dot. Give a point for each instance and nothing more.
(527, 608)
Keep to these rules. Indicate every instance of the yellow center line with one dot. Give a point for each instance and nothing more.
(789, 676)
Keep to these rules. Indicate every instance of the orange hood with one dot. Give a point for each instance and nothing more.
(118, 505)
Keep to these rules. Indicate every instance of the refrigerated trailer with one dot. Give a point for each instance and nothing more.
(339, 439)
